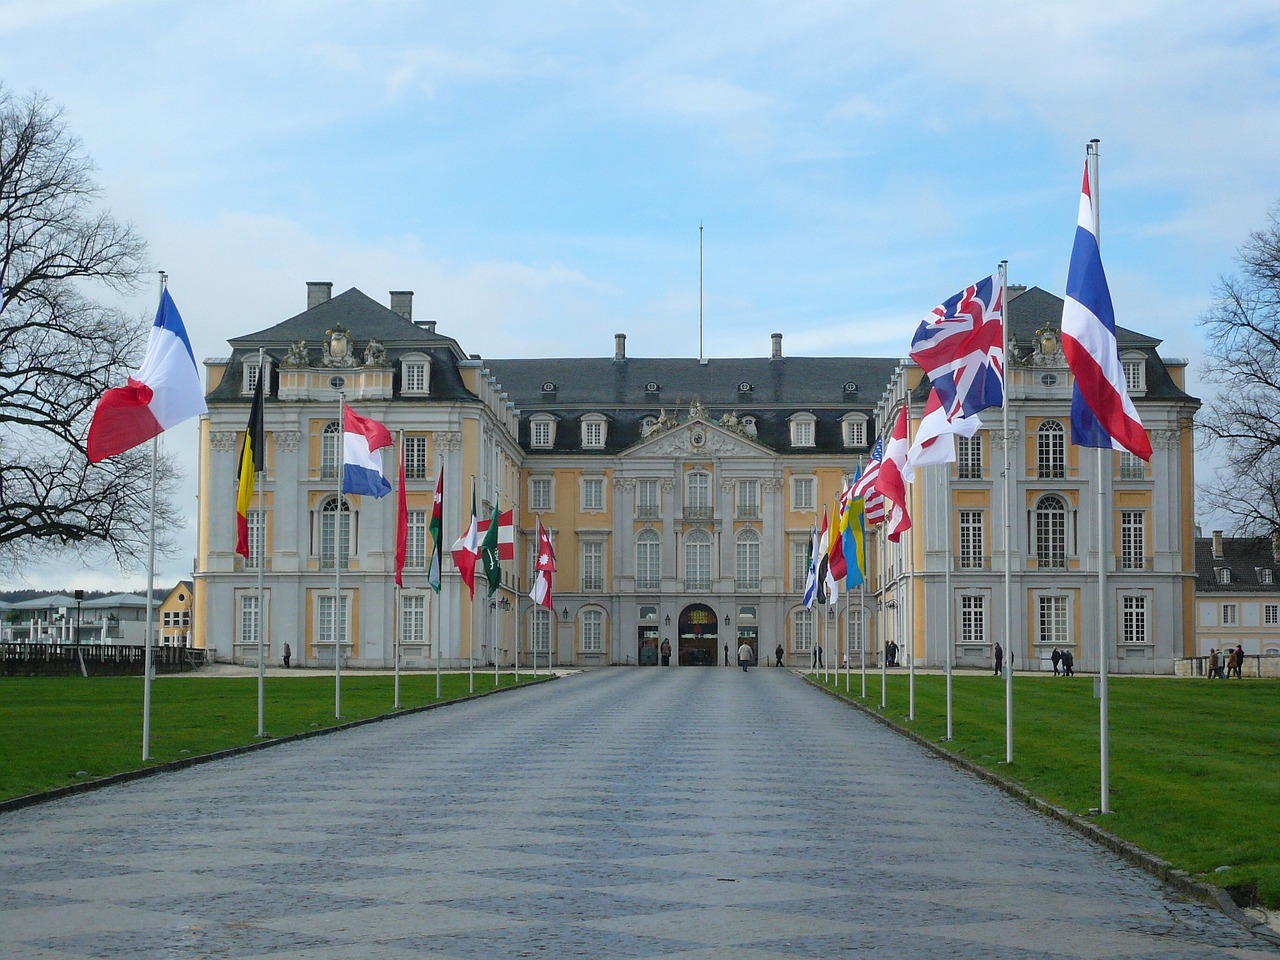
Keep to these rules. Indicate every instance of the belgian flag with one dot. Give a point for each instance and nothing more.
(250, 464)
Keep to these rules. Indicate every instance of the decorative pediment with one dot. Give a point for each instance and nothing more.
(698, 437)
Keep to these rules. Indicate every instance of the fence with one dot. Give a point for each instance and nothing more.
(60, 659)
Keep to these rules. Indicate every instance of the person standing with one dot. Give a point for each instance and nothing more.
(1068, 663)
(666, 652)
(1057, 659)
(744, 656)
(287, 654)
(1238, 655)
(999, 669)
(778, 654)
(1213, 664)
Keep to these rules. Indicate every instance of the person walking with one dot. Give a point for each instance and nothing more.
(999, 668)
(1238, 659)
(1213, 664)
(1068, 663)
(778, 654)
(287, 654)
(726, 654)
(744, 655)
(1057, 659)
(666, 652)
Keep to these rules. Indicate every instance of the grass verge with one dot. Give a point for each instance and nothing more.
(1193, 764)
(57, 731)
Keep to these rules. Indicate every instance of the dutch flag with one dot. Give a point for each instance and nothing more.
(362, 438)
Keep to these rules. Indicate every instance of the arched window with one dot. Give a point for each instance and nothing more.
(697, 561)
(1051, 449)
(540, 630)
(331, 450)
(747, 576)
(592, 630)
(802, 631)
(648, 560)
(335, 530)
(1051, 531)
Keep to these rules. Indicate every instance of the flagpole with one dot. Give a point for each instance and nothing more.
(471, 640)
(1008, 520)
(909, 601)
(1104, 510)
(151, 599)
(338, 624)
(262, 563)
(848, 665)
(395, 590)
(862, 623)
(884, 606)
(440, 572)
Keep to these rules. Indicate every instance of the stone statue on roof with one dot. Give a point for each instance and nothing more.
(375, 355)
(697, 411)
(296, 356)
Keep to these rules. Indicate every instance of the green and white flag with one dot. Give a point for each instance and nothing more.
(489, 554)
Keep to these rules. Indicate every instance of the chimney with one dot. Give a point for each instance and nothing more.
(427, 325)
(402, 303)
(619, 347)
(777, 347)
(318, 291)
(1217, 544)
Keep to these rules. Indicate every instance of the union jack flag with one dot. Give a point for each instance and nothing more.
(865, 487)
(960, 347)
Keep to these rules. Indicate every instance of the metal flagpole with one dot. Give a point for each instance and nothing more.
(862, 624)
(1104, 509)
(151, 600)
(948, 622)
(909, 600)
(395, 591)
(1008, 522)
(884, 627)
(440, 572)
(338, 624)
(262, 560)
(471, 639)
(846, 662)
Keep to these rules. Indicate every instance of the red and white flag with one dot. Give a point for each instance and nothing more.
(466, 549)
(544, 565)
(936, 437)
(402, 522)
(890, 483)
(506, 535)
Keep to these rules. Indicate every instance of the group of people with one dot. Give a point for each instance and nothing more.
(1230, 660)
(1064, 663)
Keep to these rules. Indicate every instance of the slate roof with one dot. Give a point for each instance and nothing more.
(366, 319)
(618, 389)
(1245, 557)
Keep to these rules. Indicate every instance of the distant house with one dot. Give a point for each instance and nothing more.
(175, 616)
(57, 618)
(1238, 594)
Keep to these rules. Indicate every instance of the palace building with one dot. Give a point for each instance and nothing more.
(680, 494)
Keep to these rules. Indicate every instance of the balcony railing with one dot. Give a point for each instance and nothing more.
(748, 511)
(648, 512)
(697, 584)
(646, 583)
(698, 513)
(747, 583)
(593, 583)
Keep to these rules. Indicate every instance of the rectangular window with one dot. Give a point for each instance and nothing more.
(540, 494)
(648, 564)
(973, 618)
(1133, 542)
(249, 618)
(648, 499)
(331, 626)
(855, 433)
(1230, 615)
(971, 545)
(698, 493)
(592, 565)
(415, 555)
(802, 494)
(540, 630)
(415, 377)
(1053, 620)
(330, 451)
(593, 493)
(969, 457)
(592, 631)
(802, 433)
(1131, 467)
(747, 498)
(747, 575)
(854, 638)
(1133, 623)
(1271, 614)
(256, 540)
(540, 433)
(593, 433)
(802, 631)
(415, 458)
(799, 564)
(413, 618)
(1134, 382)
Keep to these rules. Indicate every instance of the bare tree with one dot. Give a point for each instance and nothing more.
(60, 349)
(1243, 331)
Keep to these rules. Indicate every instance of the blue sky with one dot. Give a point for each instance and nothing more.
(537, 173)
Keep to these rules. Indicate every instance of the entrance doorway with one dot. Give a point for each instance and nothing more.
(699, 636)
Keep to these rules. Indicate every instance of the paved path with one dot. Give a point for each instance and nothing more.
(688, 813)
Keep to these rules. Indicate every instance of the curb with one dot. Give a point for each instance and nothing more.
(1162, 870)
(34, 799)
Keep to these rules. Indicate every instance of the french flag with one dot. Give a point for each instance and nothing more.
(362, 438)
(165, 392)
(1102, 415)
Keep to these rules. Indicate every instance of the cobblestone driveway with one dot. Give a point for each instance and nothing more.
(690, 813)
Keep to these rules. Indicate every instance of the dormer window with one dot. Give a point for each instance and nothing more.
(252, 370)
(593, 431)
(853, 427)
(415, 375)
(802, 429)
(542, 432)
(1135, 373)
(748, 425)
(1266, 576)
(1224, 575)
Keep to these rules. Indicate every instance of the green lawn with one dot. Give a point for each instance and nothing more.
(56, 731)
(1194, 772)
